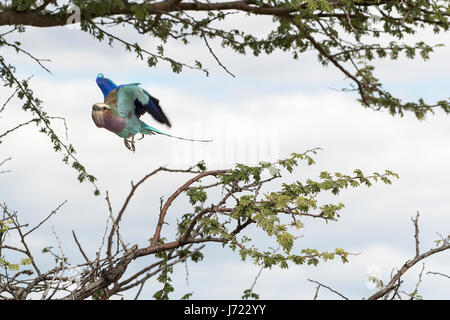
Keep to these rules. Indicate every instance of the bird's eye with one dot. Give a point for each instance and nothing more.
(105, 108)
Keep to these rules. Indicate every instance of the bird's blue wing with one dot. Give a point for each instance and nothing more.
(132, 98)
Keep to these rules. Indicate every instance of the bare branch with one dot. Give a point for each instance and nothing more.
(169, 201)
(79, 247)
(2, 163)
(215, 57)
(409, 264)
(19, 49)
(416, 232)
(439, 274)
(326, 287)
(48, 217)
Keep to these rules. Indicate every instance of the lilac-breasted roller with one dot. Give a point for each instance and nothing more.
(122, 108)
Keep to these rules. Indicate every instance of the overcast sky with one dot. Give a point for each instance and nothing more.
(290, 106)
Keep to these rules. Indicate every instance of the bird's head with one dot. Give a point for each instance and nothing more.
(99, 113)
(105, 84)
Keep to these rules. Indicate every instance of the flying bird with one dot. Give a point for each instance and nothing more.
(122, 108)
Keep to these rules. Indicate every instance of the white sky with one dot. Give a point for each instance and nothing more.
(290, 104)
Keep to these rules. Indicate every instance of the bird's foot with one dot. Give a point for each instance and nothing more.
(130, 144)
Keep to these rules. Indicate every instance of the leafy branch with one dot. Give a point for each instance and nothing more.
(215, 217)
(33, 104)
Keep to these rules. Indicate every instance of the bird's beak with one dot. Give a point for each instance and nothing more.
(95, 107)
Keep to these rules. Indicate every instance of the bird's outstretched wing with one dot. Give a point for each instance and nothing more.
(132, 98)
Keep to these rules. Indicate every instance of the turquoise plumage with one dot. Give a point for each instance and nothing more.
(122, 108)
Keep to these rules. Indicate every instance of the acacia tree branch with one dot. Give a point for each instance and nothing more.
(10, 97)
(16, 223)
(44, 5)
(79, 247)
(19, 49)
(44, 19)
(169, 201)
(439, 274)
(413, 295)
(222, 222)
(215, 57)
(48, 217)
(416, 232)
(134, 187)
(2, 163)
(33, 104)
(126, 284)
(322, 285)
(409, 264)
(18, 126)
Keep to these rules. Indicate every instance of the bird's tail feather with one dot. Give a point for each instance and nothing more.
(150, 130)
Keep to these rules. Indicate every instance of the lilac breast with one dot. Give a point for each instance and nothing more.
(106, 119)
(114, 124)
